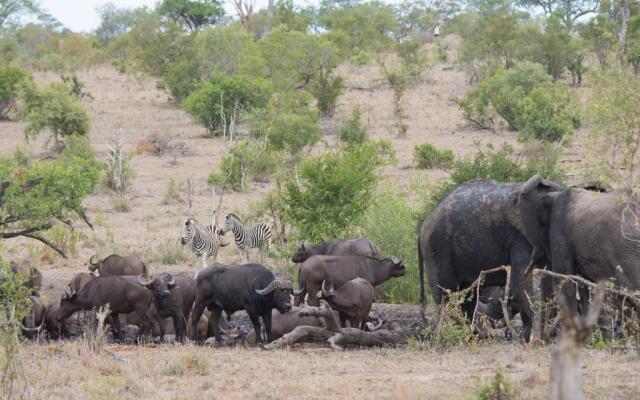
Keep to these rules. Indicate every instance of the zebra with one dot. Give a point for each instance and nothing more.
(257, 236)
(205, 241)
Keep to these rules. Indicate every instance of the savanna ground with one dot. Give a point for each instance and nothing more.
(152, 224)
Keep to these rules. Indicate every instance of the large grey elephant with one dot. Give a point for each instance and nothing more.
(474, 228)
(579, 231)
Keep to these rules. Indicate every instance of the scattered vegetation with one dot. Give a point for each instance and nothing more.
(428, 156)
(10, 79)
(498, 388)
(352, 130)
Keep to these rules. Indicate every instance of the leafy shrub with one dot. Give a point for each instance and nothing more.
(326, 89)
(174, 191)
(168, 253)
(500, 94)
(352, 130)
(428, 156)
(293, 132)
(182, 79)
(498, 388)
(332, 191)
(245, 161)
(52, 109)
(224, 99)
(10, 77)
(547, 114)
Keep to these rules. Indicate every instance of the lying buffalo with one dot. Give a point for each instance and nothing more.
(231, 288)
(475, 228)
(353, 301)
(33, 322)
(283, 323)
(56, 328)
(123, 294)
(118, 265)
(79, 280)
(341, 269)
(337, 247)
(173, 298)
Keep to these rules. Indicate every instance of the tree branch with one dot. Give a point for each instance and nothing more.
(48, 243)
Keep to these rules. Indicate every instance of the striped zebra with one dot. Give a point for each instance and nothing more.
(205, 242)
(257, 236)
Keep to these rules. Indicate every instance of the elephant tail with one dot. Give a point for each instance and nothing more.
(421, 270)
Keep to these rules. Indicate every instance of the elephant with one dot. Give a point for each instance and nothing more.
(579, 231)
(473, 229)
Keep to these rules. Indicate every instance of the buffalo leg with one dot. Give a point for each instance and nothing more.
(266, 319)
(146, 324)
(195, 318)
(115, 324)
(214, 320)
(160, 322)
(255, 320)
(178, 326)
(312, 296)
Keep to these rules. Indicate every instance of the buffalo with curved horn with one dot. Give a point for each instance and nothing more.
(116, 265)
(249, 287)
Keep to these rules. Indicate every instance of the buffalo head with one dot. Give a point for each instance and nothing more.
(302, 253)
(160, 286)
(94, 266)
(67, 305)
(280, 292)
(397, 268)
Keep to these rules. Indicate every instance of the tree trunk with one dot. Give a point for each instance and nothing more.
(625, 12)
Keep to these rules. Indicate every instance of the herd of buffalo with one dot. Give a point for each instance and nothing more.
(477, 226)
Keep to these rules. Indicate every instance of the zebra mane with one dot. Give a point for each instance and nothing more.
(232, 215)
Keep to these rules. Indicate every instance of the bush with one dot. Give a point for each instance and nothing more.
(52, 109)
(352, 131)
(326, 89)
(223, 100)
(332, 191)
(291, 131)
(547, 114)
(428, 156)
(182, 79)
(245, 161)
(500, 94)
(10, 77)
(380, 224)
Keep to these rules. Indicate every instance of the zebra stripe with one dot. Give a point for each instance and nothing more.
(253, 237)
(204, 241)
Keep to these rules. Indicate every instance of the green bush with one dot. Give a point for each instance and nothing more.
(428, 156)
(225, 98)
(245, 161)
(293, 132)
(182, 79)
(548, 113)
(352, 131)
(51, 108)
(10, 77)
(500, 94)
(332, 191)
(326, 89)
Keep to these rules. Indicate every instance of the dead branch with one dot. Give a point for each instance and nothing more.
(333, 333)
(633, 296)
(576, 330)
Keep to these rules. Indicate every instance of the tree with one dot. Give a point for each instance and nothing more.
(332, 191)
(34, 196)
(53, 109)
(221, 102)
(633, 44)
(10, 78)
(192, 13)
(569, 11)
(10, 10)
(551, 46)
(614, 136)
(116, 21)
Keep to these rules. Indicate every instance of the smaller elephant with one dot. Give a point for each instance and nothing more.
(579, 231)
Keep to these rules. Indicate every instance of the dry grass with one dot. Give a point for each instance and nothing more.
(67, 370)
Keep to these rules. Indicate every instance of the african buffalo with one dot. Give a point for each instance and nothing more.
(33, 322)
(57, 329)
(472, 229)
(283, 323)
(337, 247)
(341, 269)
(172, 297)
(581, 232)
(353, 301)
(118, 265)
(230, 288)
(124, 294)
(79, 280)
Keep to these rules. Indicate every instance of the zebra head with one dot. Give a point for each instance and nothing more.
(230, 221)
(188, 231)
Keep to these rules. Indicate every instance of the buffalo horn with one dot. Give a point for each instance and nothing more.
(299, 291)
(142, 279)
(91, 260)
(275, 284)
(172, 280)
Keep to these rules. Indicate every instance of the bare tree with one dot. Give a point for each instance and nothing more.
(569, 10)
(244, 9)
(625, 13)
(115, 158)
